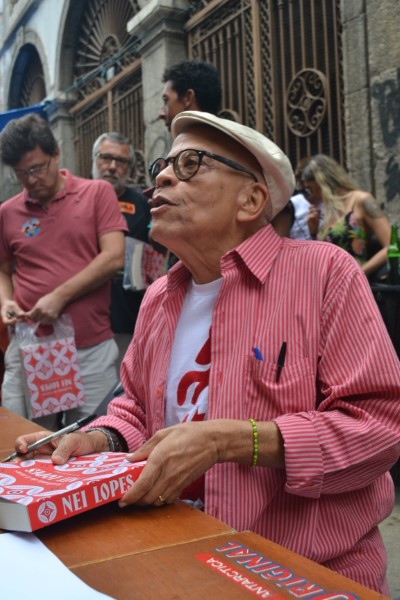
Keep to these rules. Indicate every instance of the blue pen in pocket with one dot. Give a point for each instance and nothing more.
(257, 353)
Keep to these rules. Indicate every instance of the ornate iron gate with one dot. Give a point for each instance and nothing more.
(281, 68)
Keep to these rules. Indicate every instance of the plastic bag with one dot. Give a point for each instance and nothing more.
(52, 378)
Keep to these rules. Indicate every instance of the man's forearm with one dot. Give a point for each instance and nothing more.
(100, 270)
(236, 440)
(6, 287)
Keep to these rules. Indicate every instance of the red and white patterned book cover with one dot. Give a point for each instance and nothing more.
(52, 376)
(153, 265)
(36, 493)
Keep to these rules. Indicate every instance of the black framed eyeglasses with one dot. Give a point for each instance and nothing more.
(107, 159)
(23, 174)
(187, 162)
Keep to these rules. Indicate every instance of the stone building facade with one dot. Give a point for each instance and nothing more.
(97, 64)
(371, 62)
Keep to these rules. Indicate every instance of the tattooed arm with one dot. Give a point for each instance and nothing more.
(377, 224)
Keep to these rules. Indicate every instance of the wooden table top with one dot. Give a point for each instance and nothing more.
(109, 532)
(217, 568)
(11, 426)
(177, 552)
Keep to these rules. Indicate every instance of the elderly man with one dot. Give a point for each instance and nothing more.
(113, 160)
(244, 383)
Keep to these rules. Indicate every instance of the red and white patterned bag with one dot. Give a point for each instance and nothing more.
(143, 265)
(51, 369)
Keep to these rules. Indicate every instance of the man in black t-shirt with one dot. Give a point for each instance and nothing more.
(113, 160)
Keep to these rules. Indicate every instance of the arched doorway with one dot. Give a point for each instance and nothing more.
(107, 80)
(27, 80)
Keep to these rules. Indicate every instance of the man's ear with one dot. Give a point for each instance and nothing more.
(189, 100)
(252, 202)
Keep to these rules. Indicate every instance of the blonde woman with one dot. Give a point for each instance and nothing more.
(352, 218)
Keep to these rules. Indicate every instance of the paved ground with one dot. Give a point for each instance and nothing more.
(390, 530)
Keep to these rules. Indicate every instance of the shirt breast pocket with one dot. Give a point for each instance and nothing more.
(267, 398)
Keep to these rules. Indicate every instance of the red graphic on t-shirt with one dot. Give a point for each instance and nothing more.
(201, 378)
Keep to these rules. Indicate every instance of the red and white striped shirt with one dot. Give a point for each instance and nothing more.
(336, 402)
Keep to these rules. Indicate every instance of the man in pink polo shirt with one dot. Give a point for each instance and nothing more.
(61, 240)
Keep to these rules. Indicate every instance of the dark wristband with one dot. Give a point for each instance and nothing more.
(115, 441)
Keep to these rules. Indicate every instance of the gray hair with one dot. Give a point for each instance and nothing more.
(117, 138)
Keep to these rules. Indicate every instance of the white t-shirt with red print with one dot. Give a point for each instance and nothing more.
(189, 367)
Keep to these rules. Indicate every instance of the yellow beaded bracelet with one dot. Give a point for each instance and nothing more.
(255, 442)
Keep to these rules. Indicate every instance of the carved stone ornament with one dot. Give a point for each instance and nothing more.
(306, 102)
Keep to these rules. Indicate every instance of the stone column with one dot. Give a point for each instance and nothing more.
(356, 89)
(372, 98)
(384, 70)
(63, 126)
(160, 26)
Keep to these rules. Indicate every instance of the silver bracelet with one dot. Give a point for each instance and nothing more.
(112, 438)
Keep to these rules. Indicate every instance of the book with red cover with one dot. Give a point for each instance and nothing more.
(36, 493)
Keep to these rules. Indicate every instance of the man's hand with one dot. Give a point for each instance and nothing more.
(176, 456)
(47, 309)
(11, 312)
(72, 444)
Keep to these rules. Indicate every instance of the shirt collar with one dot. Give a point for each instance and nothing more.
(258, 253)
